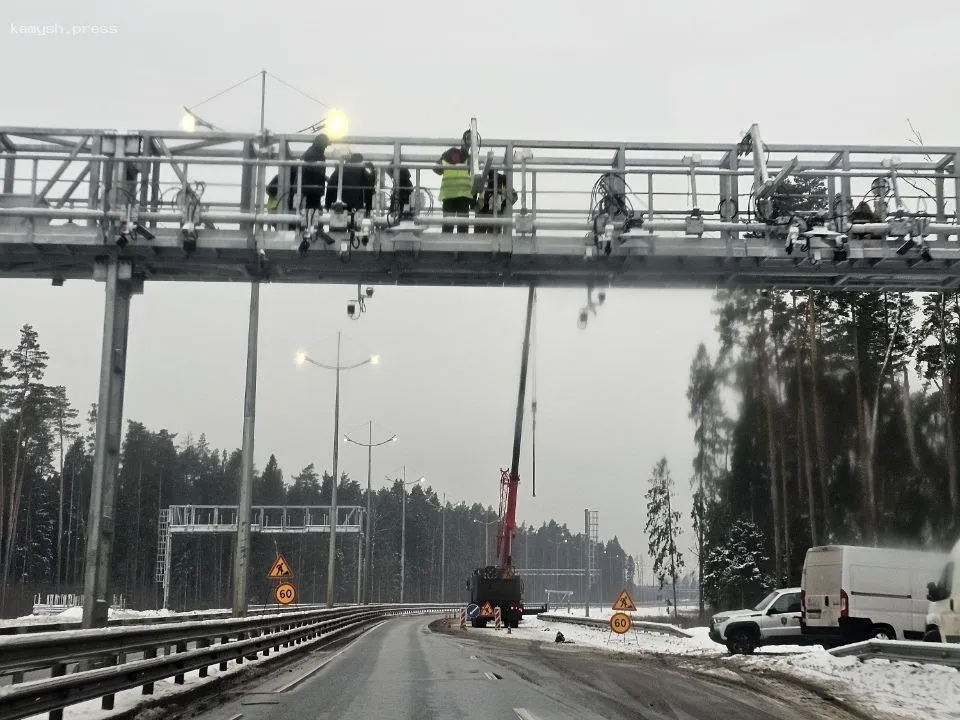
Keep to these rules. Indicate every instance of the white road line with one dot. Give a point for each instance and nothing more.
(318, 668)
(524, 714)
(490, 676)
(237, 716)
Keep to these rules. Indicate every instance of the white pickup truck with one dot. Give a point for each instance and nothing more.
(775, 620)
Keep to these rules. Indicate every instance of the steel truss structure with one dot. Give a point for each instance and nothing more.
(187, 206)
(268, 519)
(125, 207)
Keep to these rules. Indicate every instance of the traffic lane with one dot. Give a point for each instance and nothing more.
(614, 686)
(402, 670)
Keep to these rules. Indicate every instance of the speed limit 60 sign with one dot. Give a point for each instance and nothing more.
(285, 593)
(620, 623)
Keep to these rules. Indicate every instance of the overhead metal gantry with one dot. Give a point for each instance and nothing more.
(188, 206)
(129, 207)
(266, 519)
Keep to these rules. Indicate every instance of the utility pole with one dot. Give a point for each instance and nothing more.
(245, 501)
(586, 535)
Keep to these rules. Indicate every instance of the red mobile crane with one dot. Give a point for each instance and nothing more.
(498, 585)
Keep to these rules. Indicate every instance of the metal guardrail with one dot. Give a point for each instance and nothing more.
(214, 641)
(42, 627)
(643, 625)
(903, 650)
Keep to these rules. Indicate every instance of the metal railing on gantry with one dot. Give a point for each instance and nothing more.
(189, 206)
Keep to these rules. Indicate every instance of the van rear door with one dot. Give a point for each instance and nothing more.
(822, 582)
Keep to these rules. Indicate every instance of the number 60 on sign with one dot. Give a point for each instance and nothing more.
(285, 593)
(620, 623)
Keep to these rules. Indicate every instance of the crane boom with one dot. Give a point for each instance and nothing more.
(510, 479)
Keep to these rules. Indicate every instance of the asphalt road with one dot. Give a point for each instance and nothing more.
(403, 670)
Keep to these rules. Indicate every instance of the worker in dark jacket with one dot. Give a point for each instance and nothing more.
(498, 198)
(313, 180)
(401, 194)
(359, 184)
(456, 184)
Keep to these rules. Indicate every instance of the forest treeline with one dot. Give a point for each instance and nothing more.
(46, 466)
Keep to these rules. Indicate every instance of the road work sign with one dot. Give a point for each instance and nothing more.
(624, 603)
(620, 623)
(487, 610)
(285, 593)
(280, 570)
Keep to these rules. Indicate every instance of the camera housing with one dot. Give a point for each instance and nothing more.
(351, 309)
(369, 292)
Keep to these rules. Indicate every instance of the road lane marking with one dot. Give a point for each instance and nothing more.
(318, 668)
(524, 714)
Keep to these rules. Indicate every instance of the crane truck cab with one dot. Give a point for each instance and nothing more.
(943, 614)
(492, 587)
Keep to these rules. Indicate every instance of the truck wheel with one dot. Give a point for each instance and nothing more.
(932, 636)
(740, 642)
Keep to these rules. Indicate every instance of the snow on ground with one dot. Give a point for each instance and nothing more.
(532, 628)
(906, 689)
(75, 614)
(128, 699)
(648, 610)
(902, 689)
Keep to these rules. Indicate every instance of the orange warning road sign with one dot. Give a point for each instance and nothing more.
(620, 623)
(280, 570)
(486, 611)
(285, 593)
(624, 602)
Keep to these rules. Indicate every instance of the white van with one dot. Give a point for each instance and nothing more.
(943, 616)
(849, 594)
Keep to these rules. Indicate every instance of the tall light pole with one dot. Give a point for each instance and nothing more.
(302, 358)
(403, 527)
(443, 545)
(369, 445)
(486, 538)
(245, 499)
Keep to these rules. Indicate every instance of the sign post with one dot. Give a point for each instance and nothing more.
(285, 592)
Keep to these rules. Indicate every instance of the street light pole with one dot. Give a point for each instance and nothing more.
(443, 545)
(403, 528)
(302, 357)
(403, 531)
(367, 561)
(332, 554)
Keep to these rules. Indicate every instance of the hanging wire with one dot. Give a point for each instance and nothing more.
(224, 92)
(298, 90)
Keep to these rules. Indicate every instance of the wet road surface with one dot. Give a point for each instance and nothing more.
(403, 670)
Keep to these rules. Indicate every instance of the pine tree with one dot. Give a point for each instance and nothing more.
(663, 528)
(706, 411)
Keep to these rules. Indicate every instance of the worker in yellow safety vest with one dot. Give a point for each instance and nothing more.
(456, 184)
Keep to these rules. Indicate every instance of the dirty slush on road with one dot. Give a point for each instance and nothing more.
(628, 684)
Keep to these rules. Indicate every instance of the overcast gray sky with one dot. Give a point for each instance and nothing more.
(612, 398)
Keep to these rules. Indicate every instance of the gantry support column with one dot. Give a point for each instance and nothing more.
(106, 454)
